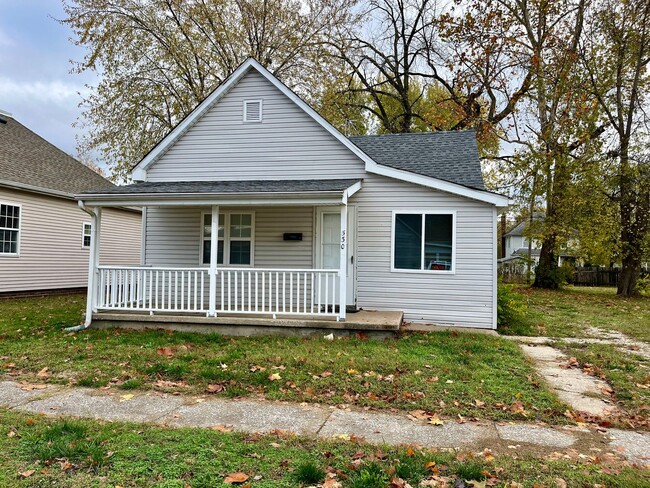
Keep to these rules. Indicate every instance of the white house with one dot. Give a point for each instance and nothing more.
(255, 206)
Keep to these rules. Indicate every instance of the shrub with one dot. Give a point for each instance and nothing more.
(511, 306)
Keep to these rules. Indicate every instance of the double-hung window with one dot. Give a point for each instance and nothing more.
(423, 241)
(235, 238)
(9, 229)
(85, 235)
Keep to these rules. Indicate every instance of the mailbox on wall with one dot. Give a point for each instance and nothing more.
(293, 236)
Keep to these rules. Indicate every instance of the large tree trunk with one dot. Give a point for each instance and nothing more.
(627, 282)
(546, 272)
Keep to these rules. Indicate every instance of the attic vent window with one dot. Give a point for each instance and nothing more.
(252, 110)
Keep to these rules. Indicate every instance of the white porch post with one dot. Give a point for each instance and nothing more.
(343, 262)
(93, 262)
(214, 246)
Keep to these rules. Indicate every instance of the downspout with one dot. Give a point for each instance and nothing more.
(91, 271)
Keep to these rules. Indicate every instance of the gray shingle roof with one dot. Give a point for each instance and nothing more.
(451, 156)
(518, 230)
(28, 159)
(216, 187)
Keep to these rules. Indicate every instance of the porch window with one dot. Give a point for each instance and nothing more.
(235, 245)
(9, 229)
(85, 235)
(423, 241)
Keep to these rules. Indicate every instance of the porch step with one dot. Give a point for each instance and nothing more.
(376, 323)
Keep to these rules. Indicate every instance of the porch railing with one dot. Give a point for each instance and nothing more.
(312, 292)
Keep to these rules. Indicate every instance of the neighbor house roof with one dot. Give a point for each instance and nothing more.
(30, 162)
(451, 156)
(518, 230)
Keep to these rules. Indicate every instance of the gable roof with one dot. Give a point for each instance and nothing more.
(371, 165)
(29, 162)
(451, 156)
(518, 230)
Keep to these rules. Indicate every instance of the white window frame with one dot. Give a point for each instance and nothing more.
(451, 271)
(226, 237)
(245, 111)
(83, 234)
(19, 230)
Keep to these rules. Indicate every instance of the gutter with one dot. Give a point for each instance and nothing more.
(91, 270)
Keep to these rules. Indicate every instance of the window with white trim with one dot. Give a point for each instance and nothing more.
(252, 110)
(86, 232)
(423, 241)
(235, 238)
(9, 229)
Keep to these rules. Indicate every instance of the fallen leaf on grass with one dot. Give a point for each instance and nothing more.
(27, 474)
(235, 478)
(331, 483)
(274, 377)
(221, 428)
(215, 388)
(43, 373)
(479, 403)
(326, 374)
(165, 351)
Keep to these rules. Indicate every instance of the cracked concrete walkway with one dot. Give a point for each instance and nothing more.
(252, 415)
(601, 336)
(585, 393)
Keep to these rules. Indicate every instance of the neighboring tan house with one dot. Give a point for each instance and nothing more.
(255, 206)
(44, 235)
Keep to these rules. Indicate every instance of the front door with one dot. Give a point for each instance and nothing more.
(329, 245)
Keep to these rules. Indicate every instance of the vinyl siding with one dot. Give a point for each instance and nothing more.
(464, 298)
(51, 252)
(174, 234)
(287, 144)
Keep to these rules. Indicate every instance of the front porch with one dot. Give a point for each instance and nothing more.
(239, 264)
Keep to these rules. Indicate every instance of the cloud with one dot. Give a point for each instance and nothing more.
(56, 92)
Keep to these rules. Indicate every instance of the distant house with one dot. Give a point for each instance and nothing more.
(44, 235)
(255, 206)
(517, 244)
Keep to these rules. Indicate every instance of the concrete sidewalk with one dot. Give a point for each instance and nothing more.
(252, 415)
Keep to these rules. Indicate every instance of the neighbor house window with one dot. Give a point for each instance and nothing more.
(235, 245)
(86, 233)
(9, 229)
(252, 110)
(423, 241)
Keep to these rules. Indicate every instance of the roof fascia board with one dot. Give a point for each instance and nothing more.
(481, 196)
(36, 189)
(237, 199)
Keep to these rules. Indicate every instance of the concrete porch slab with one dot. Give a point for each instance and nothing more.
(377, 324)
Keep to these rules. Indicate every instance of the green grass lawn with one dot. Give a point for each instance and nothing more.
(37, 451)
(444, 372)
(570, 311)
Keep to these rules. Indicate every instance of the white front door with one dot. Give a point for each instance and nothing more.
(329, 245)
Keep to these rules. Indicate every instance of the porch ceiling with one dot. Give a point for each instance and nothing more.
(247, 192)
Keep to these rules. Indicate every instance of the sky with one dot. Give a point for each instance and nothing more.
(36, 85)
